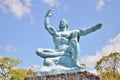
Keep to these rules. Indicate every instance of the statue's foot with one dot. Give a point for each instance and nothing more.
(79, 65)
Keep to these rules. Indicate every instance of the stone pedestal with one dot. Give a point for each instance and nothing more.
(67, 76)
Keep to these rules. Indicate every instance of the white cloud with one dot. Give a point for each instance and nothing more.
(90, 60)
(93, 71)
(17, 7)
(28, 3)
(100, 4)
(113, 45)
(10, 48)
(51, 2)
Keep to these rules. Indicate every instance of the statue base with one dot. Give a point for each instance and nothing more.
(67, 76)
(47, 70)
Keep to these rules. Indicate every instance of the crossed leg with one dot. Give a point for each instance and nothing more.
(47, 53)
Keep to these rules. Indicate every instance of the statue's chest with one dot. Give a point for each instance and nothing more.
(64, 34)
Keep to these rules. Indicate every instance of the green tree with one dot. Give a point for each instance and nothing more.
(109, 66)
(18, 74)
(8, 71)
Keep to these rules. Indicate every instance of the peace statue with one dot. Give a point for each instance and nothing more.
(66, 55)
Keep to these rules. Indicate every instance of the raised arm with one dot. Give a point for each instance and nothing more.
(90, 30)
(48, 27)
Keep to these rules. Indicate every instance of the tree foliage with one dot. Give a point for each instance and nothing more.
(8, 71)
(18, 74)
(109, 66)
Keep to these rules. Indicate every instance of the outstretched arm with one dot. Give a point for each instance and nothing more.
(90, 30)
(48, 27)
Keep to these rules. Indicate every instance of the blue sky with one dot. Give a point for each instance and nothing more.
(22, 28)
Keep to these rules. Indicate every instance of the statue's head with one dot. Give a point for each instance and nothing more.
(63, 26)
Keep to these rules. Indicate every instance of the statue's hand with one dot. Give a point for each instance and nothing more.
(98, 26)
(49, 13)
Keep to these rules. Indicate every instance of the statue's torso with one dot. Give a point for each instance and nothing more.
(62, 39)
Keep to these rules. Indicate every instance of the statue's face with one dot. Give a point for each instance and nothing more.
(63, 24)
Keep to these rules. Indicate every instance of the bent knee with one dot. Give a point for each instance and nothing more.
(73, 41)
(39, 51)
